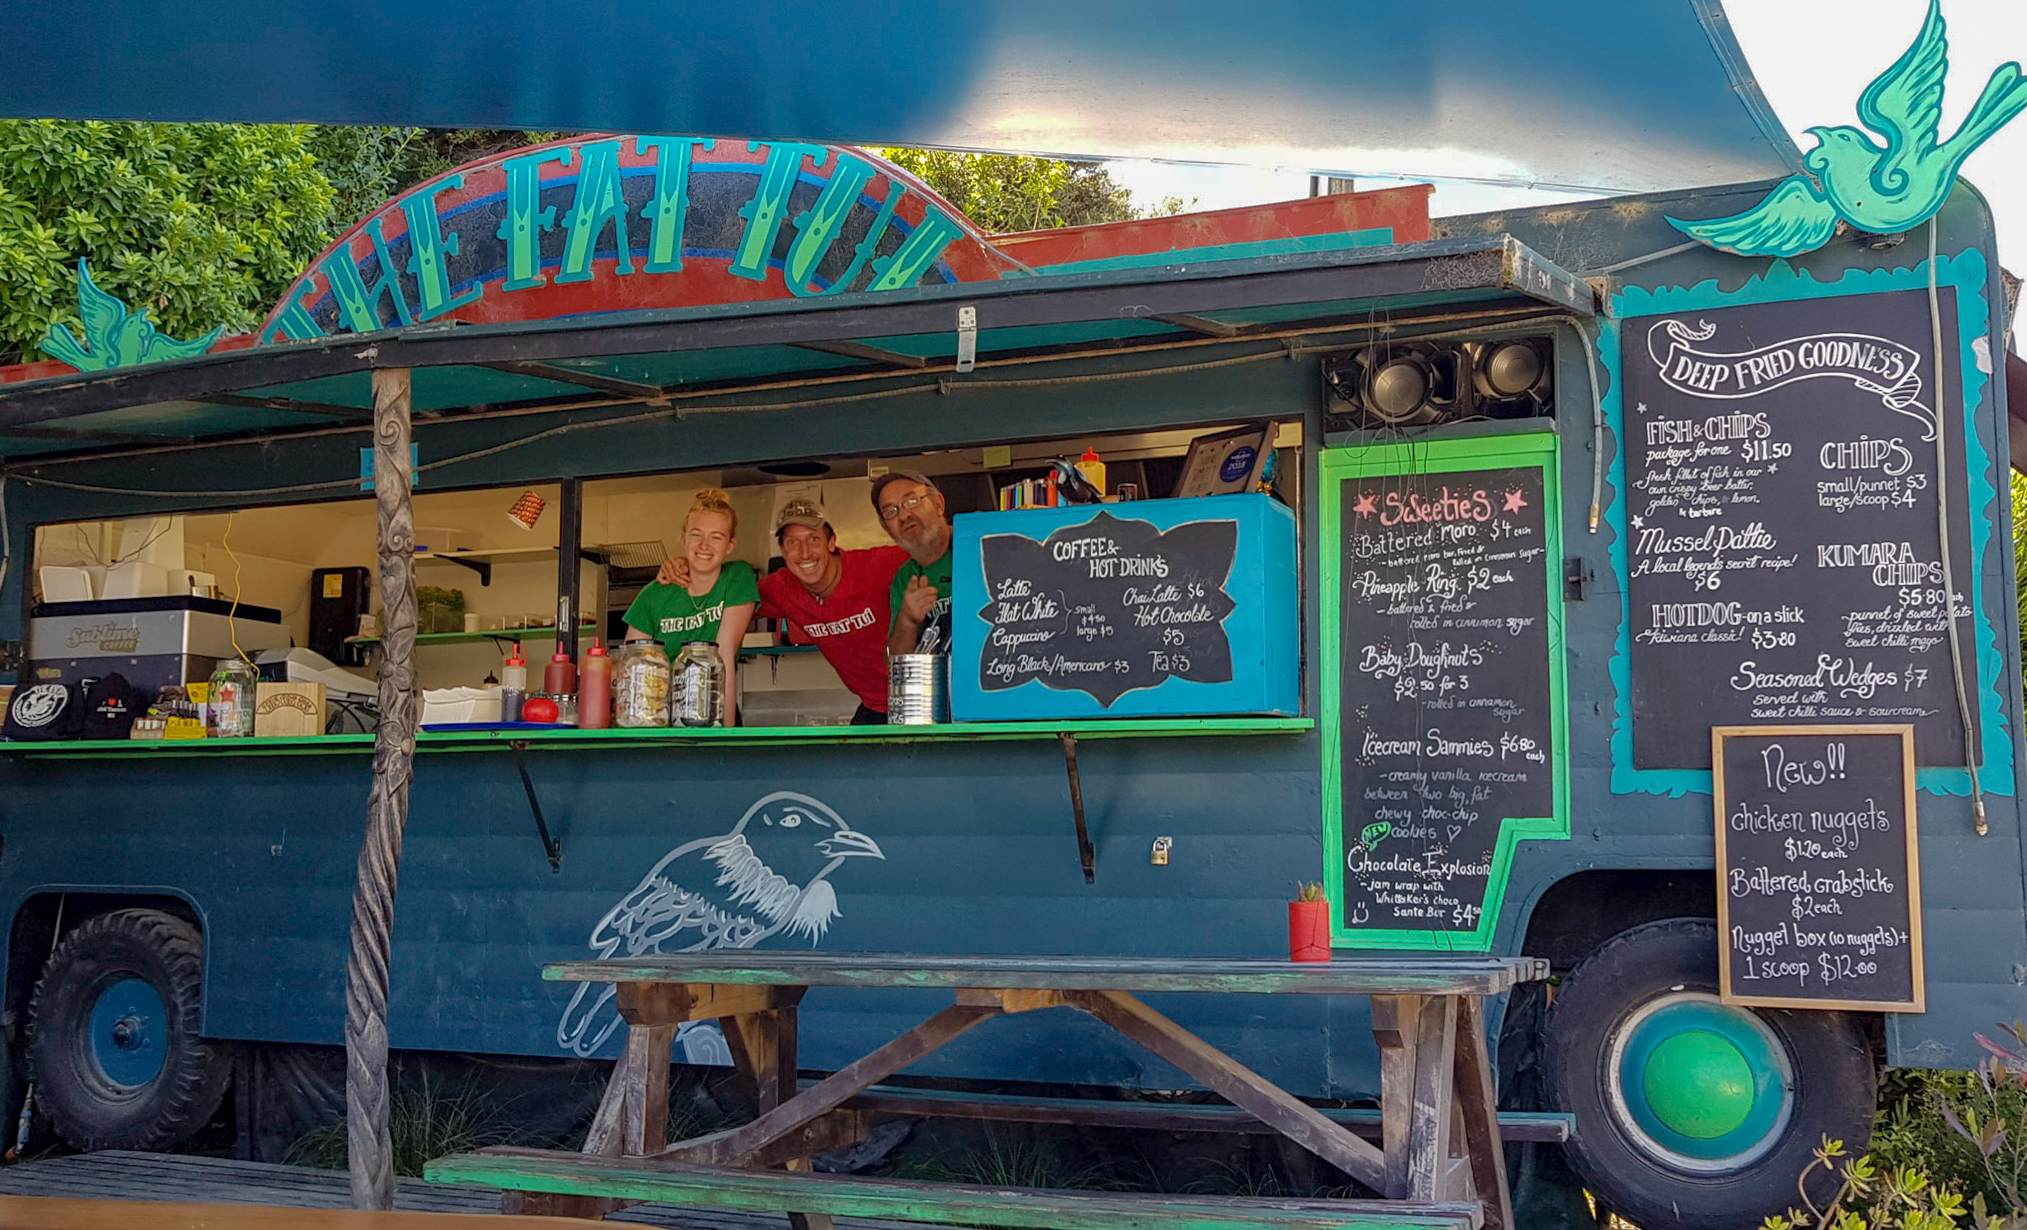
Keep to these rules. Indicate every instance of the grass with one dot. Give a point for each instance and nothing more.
(425, 1120)
(1010, 1161)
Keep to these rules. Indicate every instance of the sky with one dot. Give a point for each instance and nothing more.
(1847, 42)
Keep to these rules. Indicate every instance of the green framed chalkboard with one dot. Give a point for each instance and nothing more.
(1443, 707)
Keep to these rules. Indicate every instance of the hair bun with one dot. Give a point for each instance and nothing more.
(712, 497)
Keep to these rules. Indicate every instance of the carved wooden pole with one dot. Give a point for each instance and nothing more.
(368, 1147)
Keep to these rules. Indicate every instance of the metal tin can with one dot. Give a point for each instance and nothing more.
(918, 689)
(640, 685)
(698, 689)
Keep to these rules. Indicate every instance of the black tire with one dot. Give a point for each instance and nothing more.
(1659, 981)
(101, 1086)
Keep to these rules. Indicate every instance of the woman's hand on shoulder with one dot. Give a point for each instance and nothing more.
(673, 572)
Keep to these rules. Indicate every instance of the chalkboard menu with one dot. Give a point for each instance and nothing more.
(1108, 606)
(1446, 722)
(1818, 885)
(1782, 548)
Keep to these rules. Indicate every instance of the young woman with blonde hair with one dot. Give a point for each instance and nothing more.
(716, 605)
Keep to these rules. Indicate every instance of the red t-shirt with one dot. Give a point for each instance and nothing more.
(850, 627)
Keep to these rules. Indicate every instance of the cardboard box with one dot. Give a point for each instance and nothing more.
(282, 709)
(183, 728)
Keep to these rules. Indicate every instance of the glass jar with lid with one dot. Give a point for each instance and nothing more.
(640, 685)
(697, 691)
(228, 712)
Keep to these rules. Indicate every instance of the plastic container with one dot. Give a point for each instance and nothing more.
(640, 685)
(594, 689)
(1309, 930)
(229, 704)
(697, 686)
(513, 685)
(561, 676)
(1092, 469)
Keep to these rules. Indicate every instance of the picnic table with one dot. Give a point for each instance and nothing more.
(1439, 1163)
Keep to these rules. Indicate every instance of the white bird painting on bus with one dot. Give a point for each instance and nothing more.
(769, 876)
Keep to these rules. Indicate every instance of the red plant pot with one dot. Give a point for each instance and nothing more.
(1309, 930)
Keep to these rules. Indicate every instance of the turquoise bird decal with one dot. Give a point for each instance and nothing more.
(113, 336)
(1880, 191)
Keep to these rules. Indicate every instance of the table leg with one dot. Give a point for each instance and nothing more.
(1429, 1121)
(1396, 1024)
(1236, 1083)
(1478, 1104)
(632, 1120)
(764, 1043)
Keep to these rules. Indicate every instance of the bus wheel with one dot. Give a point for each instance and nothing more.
(114, 1051)
(1690, 1113)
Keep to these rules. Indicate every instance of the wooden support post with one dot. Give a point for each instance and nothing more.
(1396, 1024)
(569, 535)
(1429, 1122)
(1477, 1101)
(369, 1150)
(729, 1147)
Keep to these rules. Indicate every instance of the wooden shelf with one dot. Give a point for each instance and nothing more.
(569, 739)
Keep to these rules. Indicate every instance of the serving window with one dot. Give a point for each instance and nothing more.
(269, 580)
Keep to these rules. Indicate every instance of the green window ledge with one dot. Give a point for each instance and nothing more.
(557, 740)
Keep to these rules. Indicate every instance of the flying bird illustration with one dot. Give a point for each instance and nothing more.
(1877, 191)
(769, 875)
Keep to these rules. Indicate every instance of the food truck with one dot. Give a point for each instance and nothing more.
(1430, 558)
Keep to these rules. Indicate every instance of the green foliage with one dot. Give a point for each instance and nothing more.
(1003, 193)
(201, 225)
(2020, 556)
(1871, 1198)
(369, 167)
(425, 1121)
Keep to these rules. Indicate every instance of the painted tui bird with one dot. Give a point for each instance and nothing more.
(770, 874)
(1878, 191)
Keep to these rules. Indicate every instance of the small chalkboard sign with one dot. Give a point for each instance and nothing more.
(1158, 606)
(1818, 880)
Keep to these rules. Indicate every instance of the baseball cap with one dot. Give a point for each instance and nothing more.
(913, 476)
(800, 512)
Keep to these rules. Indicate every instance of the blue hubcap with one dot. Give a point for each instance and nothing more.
(1700, 1085)
(129, 1032)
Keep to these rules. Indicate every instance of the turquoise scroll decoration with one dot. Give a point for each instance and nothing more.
(1855, 182)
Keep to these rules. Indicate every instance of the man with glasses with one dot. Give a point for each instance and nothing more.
(911, 510)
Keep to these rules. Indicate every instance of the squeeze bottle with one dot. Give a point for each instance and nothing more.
(560, 679)
(594, 689)
(513, 685)
(1092, 469)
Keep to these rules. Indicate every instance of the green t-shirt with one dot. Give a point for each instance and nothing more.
(939, 574)
(671, 615)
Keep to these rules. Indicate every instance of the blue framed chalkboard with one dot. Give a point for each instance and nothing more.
(1148, 608)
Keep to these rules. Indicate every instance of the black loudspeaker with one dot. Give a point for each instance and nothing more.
(338, 597)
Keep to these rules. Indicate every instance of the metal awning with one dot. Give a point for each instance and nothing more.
(1595, 95)
(666, 357)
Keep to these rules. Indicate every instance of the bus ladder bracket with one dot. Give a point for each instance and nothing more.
(1085, 854)
(550, 846)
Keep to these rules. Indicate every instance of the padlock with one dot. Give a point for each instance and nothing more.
(1159, 855)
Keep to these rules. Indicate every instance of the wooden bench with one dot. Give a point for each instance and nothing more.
(725, 1187)
(902, 1101)
(63, 1213)
(1440, 1152)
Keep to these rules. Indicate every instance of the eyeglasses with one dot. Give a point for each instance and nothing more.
(910, 504)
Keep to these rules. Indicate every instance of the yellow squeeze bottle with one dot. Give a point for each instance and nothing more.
(1092, 469)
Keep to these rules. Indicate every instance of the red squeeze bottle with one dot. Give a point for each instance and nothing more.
(560, 679)
(594, 690)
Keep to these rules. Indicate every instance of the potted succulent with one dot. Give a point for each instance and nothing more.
(1309, 923)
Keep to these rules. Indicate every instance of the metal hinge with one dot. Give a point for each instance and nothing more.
(967, 338)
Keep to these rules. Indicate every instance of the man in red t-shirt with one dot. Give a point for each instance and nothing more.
(836, 600)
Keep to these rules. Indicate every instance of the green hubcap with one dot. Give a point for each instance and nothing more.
(1698, 1084)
